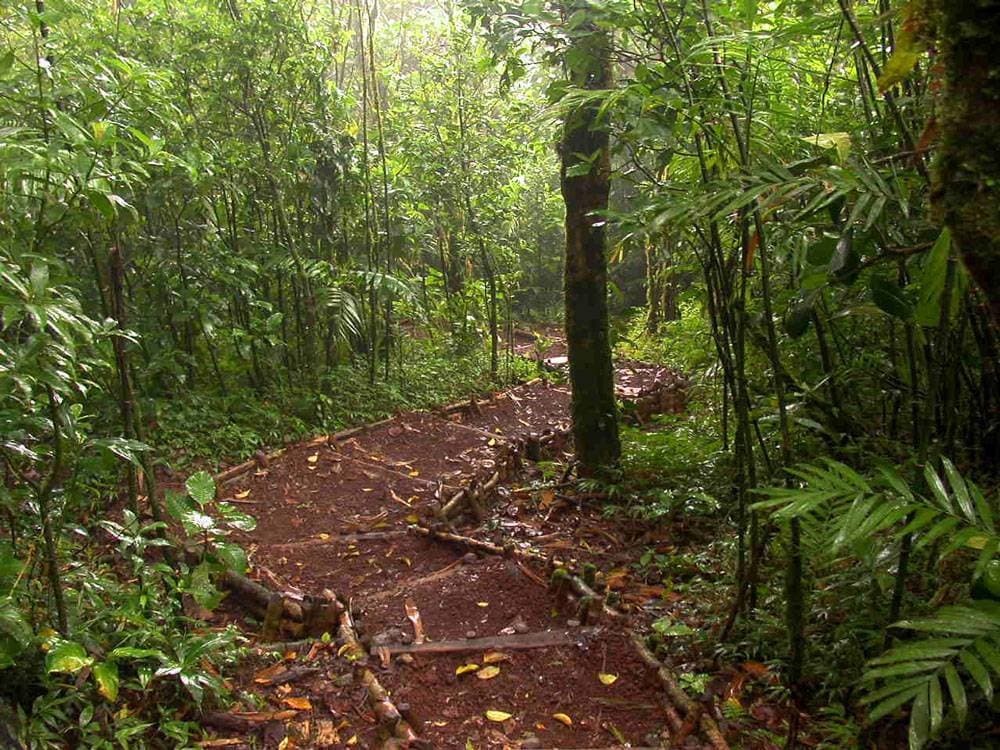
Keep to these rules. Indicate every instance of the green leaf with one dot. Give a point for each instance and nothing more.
(196, 521)
(928, 312)
(820, 253)
(177, 504)
(890, 298)
(202, 588)
(233, 557)
(936, 703)
(958, 487)
(904, 58)
(919, 721)
(957, 691)
(67, 656)
(6, 62)
(580, 169)
(201, 487)
(106, 677)
(102, 203)
(236, 518)
(889, 705)
(15, 632)
(840, 141)
(798, 318)
(978, 672)
(130, 652)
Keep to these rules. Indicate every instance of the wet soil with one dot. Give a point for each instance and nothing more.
(334, 517)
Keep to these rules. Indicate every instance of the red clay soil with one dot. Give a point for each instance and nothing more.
(373, 486)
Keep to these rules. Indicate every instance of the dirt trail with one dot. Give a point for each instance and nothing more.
(337, 517)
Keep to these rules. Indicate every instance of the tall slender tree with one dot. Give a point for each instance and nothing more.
(585, 178)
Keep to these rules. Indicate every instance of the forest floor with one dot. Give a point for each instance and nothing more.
(472, 649)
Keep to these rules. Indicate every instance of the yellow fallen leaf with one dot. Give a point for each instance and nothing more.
(494, 657)
(563, 719)
(482, 604)
(313, 458)
(466, 668)
(413, 518)
(323, 537)
(488, 673)
(607, 679)
(242, 495)
(414, 473)
(353, 740)
(301, 704)
(494, 715)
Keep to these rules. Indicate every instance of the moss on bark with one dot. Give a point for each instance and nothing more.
(585, 180)
(966, 179)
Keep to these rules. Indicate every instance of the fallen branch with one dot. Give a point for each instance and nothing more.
(352, 650)
(256, 597)
(293, 674)
(246, 722)
(541, 639)
(679, 698)
(260, 460)
(484, 546)
(390, 720)
(341, 538)
(386, 469)
(437, 575)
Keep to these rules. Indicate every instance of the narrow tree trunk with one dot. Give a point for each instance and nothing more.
(585, 180)
(116, 272)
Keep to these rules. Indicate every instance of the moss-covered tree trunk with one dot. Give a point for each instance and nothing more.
(585, 179)
(966, 190)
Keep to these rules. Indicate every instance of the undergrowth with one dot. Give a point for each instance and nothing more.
(207, 429)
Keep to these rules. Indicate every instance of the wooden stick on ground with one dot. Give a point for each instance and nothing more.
(678, 697)
(390, 720)
(352, 649)
(540, 639)
(480, 545)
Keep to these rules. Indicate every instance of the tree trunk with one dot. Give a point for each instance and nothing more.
(585, 191)
(966, 180)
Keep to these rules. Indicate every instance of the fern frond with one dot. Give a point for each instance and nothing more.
(962, 636)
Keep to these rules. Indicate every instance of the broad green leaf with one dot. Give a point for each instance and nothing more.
(919, 721)
(928, 312)
(840, 141)
(978, 673)
(67, 656)
(201, 487)
(957, 691)
(233, 557)
(202, 588)
(904, 58)
(15, 632)
(106, 676)
(890, 298)
(177, 504)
